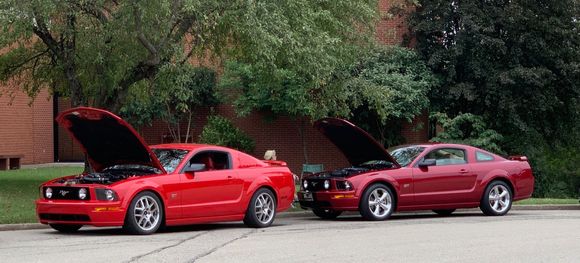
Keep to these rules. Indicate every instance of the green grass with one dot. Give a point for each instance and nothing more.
(19, 190)
(548, 201)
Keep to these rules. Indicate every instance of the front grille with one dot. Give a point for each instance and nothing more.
(65, 217)
(66, 193)
(315, 184)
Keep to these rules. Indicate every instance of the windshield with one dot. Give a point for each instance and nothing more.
(170, 158)
(404, 156)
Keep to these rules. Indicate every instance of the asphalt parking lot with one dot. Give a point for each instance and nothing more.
(468, 236)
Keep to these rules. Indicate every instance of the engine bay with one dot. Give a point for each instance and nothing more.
(359, 169)
(111, 175)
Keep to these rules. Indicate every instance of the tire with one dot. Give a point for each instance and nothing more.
(326, 213)
(497, 199)
(65, 228)
(381, 210)
(145, 214)
(444, 212)
(261, 210)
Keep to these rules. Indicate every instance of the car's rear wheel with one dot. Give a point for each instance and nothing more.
(377, 203)
(65, 228)
(444, 212)
(497, 199)
(326, 213)
(145, 214)
(262, 209)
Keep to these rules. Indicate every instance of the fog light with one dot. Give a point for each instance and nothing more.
(305, 184)
(326, 184)
(48, 192)
(83, 193)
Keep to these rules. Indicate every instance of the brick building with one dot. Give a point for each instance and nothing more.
(29, 129)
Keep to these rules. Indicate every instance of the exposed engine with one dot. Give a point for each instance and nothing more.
(111, 175)
(363, 168)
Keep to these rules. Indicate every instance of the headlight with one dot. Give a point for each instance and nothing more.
(82, 193)
(326, 184)
(344, 185)
(305, 184)
(48, 192)
(106, 194)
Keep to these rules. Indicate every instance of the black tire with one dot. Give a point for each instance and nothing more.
(326, 213)
(444, 212)
(488, 208)
(261, 216)
(66, 228)
(132, 221)
(364, 206)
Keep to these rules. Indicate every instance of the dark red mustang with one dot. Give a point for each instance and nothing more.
(438, 177)
(143, 188)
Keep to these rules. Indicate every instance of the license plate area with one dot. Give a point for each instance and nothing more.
(307, 196)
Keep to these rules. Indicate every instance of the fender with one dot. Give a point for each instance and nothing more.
(139, 186)
(382, 178)
(492, 175)
(254, 186)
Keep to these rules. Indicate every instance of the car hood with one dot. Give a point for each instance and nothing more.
(106, 139)
(355, 143)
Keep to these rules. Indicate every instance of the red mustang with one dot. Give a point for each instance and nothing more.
(438, 177)
(142, 188)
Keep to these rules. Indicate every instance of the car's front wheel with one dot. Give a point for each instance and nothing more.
(326, 213)
(65, 228)
(262, 209)
(497, 199)
(145, 214)
(377, 203)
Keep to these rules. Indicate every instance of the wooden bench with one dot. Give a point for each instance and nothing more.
(10, 162)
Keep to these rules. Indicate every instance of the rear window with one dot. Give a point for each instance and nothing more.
(483, 157)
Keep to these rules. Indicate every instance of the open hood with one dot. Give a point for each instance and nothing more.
(356, 144)
(107, 139)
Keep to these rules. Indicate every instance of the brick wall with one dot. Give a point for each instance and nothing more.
(26, 129)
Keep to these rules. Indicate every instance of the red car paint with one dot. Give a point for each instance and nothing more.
(187, 198)
(427, 188)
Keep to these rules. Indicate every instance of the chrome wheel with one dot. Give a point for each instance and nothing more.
(499, 198)
(146, 213)
(264, 208)
(380, 202)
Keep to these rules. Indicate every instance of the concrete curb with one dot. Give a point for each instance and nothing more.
(29, 226)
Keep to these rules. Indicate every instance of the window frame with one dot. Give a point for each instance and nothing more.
(465, 156)
(483, 161)
(230, 163)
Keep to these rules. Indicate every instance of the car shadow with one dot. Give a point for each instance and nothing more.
(356, 217)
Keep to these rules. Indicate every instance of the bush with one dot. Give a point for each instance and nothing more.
(467, 129)
(221, 131)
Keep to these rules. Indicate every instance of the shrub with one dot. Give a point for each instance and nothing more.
(221, 131)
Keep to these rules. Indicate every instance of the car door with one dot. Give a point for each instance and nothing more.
(213, 191)
(450, 180)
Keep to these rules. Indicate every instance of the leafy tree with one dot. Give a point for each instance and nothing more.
(467, 129)
(516, 63)
(221, 131)
(386, 86)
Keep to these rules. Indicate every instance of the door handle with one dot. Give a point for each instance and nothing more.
(463, 171)
(230, 177)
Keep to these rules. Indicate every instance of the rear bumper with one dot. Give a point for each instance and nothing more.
(337, 200)
(82, 213)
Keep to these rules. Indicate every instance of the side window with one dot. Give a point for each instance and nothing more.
(213, 160)
(483, 157)
(447, 156)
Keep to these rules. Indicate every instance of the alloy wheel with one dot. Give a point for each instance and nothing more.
(499, 198)
(264, 208)
(380, 202)
(146, 213)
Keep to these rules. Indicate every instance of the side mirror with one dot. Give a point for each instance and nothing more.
(194, 167)
(427, 162)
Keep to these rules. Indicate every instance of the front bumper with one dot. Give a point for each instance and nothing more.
(96, 213)
(336, 200)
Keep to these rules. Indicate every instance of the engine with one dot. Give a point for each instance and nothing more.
(110, 175)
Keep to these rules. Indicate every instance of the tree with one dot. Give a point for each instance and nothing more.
(516, 63)
(384, 87)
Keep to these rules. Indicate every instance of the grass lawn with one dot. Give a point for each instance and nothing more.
(19, 190)
(548, 201)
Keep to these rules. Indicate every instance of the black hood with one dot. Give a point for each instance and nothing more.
(106, 138)
(355, 143)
